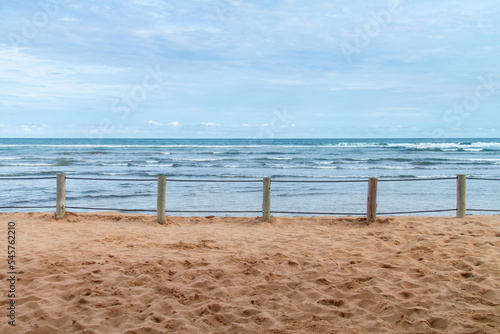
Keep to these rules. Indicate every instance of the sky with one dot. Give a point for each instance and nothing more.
(249, 69)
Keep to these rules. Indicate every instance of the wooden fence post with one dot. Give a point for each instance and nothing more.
(161, 204)
(266, 200)
(61, 196)
(371, 201)
(461, 181)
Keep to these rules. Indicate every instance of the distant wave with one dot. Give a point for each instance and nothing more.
(348, 144)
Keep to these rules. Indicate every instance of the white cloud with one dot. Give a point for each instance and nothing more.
(30, 127)
(49, 80)
(210, 124)
(245, 125)
(285, 82)
(435, 50)
(175, 124)
(69, 19)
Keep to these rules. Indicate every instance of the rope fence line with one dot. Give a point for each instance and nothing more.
(218, 181)
(418, 179)
(266, 205)
(145, 210)
(361, 213)
(109, 209)
(239, 181)
(323, 213)
(483, 179)
(28, 178)
(109, 179)
(28, 207)
(245, 211)
(318, 181)
(212, 211)
(412, 212)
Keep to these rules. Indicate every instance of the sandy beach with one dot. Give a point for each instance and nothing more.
(124, 273)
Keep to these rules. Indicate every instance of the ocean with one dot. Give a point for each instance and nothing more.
(396, 162)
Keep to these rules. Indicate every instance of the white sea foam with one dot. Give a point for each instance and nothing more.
(115, 165)
(196, 160)
(32, 165)
(325, 167)
(159, 165)
(350, 144)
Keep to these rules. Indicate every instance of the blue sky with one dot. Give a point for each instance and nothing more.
(249, 69)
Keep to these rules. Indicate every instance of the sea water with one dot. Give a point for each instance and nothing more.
(250, 160)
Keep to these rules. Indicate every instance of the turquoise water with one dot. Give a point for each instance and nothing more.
(247, 159)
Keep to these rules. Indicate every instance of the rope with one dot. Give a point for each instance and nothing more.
(244, 211)
(150, 180)
(409, 212)
(142, 210)
(238, 181)
(483, 178)
(321, 213)
(422, 179)
(485, 210)
(208, 211)
(242, 181)
(27, 178)
(109, 209)
(99, 179)
(316, 181)
(352, 181)
(27, 207)
(360, 214)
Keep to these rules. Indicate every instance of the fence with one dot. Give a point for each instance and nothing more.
(161, 210)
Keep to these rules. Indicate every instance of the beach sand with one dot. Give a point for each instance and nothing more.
(124, 273)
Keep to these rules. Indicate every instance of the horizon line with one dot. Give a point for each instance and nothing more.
(246, 138)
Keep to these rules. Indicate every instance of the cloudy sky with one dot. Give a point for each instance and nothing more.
(248, 69)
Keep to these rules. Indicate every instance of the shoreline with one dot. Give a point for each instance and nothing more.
(101, 272)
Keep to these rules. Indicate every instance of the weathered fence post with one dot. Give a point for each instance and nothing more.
(371, 201)
(266, 200)
(162, 200)
(461, 181)
(61, 196)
